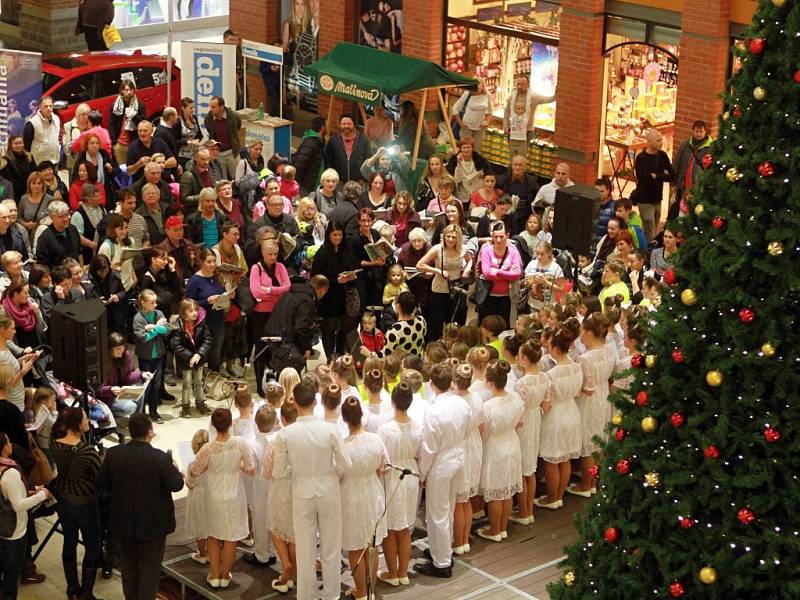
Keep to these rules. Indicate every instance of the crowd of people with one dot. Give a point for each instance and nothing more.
(210, 258)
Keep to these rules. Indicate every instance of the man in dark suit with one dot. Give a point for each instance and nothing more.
(140, 480)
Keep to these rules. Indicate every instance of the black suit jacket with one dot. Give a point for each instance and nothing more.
(140, 480)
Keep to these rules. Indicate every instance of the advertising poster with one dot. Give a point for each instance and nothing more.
(544, 76)
(208, 69)
(380, 26)
(299, 36)
(20, 90)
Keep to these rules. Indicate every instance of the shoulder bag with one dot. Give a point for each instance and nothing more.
(482, 286)
(8, 516)
(42, 472)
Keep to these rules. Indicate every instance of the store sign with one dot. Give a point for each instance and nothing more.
(262, 52)
(209, 69)
(522, 9)
(494, 13)
(348, 89)
(20, 85)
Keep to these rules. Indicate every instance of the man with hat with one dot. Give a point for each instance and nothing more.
(52, 184)
(215, 164)
(185, 253)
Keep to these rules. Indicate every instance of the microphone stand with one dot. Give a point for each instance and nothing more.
(372, 545)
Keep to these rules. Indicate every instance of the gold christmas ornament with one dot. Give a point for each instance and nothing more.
(698, 210)
(714, 378)
(778, 3)
(569, 578)
(649, 424)
(688, 297)
(708, 575)
(775, 248)
(726, 115)
(759, 93)
(768, 349)
(733, 175)
(650, 361)
(616, 419)
(652, 480)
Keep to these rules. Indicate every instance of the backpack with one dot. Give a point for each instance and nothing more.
(8, 516)
(454, 124)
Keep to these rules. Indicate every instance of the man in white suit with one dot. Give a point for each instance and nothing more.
(441, 467)
(314, 453)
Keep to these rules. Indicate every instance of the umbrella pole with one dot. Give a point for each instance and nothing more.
(420, 121)
(446, 116)
(330, 113)
(363, 113)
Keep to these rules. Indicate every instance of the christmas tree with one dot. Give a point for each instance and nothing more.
(698, 490)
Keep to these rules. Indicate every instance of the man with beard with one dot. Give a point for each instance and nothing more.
(347, 150)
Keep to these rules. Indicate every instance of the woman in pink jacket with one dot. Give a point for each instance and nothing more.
(269, 280)
(501, 265)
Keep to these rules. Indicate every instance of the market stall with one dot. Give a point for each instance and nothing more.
(365, 75)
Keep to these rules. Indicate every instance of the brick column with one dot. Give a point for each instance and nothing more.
(255, 21)
(337, 24)
(422, 38)
(704, 53)
(579, 92)
(49, 25)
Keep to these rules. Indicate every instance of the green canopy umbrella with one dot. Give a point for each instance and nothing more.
(364, 75)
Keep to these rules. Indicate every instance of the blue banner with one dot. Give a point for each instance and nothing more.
(20, 90)
(207, 70)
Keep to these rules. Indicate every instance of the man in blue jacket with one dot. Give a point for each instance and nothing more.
(346, 151)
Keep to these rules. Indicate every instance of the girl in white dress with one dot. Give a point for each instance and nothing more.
(196, 518)
(226, 504)
(501, 473)
(343, 374)
(363, 501)
(244, 426)
(597, 364)
(402, 438)
(376, 411)
(478, 358)
(279, 508)
(473, 459)
(329, 408)
(560, 438)
(533, 388)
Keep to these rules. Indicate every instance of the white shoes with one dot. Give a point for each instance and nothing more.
(572, 489)
(223, 582)
(199, 559)
(492, 538)
(460, 550)
(392, 581)
(522, 520)
(214, 583)
(282, 588)
(555, 504)
(249, 542)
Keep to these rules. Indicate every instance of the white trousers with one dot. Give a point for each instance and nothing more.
(261, 536)
(441, 483)
(308, 514)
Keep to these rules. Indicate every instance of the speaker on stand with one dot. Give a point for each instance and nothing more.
(577, 211)
(79, 337)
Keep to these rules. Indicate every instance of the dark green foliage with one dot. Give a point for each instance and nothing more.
(729, 268)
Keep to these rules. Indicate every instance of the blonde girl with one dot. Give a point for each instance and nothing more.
(395, 283)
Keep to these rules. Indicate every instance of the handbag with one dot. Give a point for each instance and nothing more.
(484, 287)
(42, 472)
(352, 301)
(244, 297)
(111, 35)
(286, 354)
(8, 516)
(455, 124)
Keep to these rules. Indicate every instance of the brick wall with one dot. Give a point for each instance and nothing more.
(337, 24)
(579, 92)
(49, 26)
(704, 55)
(422, 38)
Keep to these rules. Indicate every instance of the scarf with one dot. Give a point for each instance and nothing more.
(12, 464)
(24, 317)
(129, 111)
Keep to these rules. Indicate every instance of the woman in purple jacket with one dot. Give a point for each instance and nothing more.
(122, 372)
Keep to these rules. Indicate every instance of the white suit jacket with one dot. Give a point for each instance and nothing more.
(312, 451)
(443, 431)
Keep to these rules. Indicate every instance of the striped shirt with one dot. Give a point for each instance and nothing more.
(78, 467)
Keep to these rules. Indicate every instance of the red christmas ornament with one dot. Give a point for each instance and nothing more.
(766, 169)
(708, 160)
(623, 466)
(746, 516)
(611, 534)
(619, 434)
(676, 589)
(771, 435)
(746, 315)
(637, 361)
(737, 112)
(718, 222)
(669, 277)
(686, 522)
(711, 452)
(642, 399)
(594, 471)
(677, 419)
(797, 76)
(677, 356)
(757, 45)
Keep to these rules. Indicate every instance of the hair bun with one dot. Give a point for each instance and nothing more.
(334, 388)
(464, 371)
(503, 366)
(346, 361)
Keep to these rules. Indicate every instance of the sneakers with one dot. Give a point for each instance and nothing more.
(186, 412)
(156, 418)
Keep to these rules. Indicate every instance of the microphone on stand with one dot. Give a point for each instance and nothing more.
(402, 470)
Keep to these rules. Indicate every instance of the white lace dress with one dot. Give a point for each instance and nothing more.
(597, 366)
(196, 518)
(226, 503)
(473, 455)
(622, 365)
(501, 471)
(402, 441)
(560, 437)
(279, 498)
(533, 390)
(362, 491)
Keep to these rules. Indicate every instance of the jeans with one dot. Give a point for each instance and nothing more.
(156, 366)
(85, 518)
(217, 339)
(125, 408)
(141, 567)
(651, 215)
(192, 383)
(12, 555)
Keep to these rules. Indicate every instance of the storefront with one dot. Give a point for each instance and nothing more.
(640, 74)
(496, 41)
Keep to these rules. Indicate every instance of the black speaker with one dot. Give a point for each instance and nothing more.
(577, 210)
(79, 337)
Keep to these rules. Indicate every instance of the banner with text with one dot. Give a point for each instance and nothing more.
(20, 90)
(208, 69)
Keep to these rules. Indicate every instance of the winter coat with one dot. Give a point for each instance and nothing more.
(349, 169)
(293, 317)
(185, 346)
(307, 160)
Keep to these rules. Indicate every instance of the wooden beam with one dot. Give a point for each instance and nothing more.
(330, 112)
(420, 122)
(446, 115)
(363, 113)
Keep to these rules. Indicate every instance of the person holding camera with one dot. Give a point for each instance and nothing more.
(543, 277)
(392, 164)
(449, 263)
